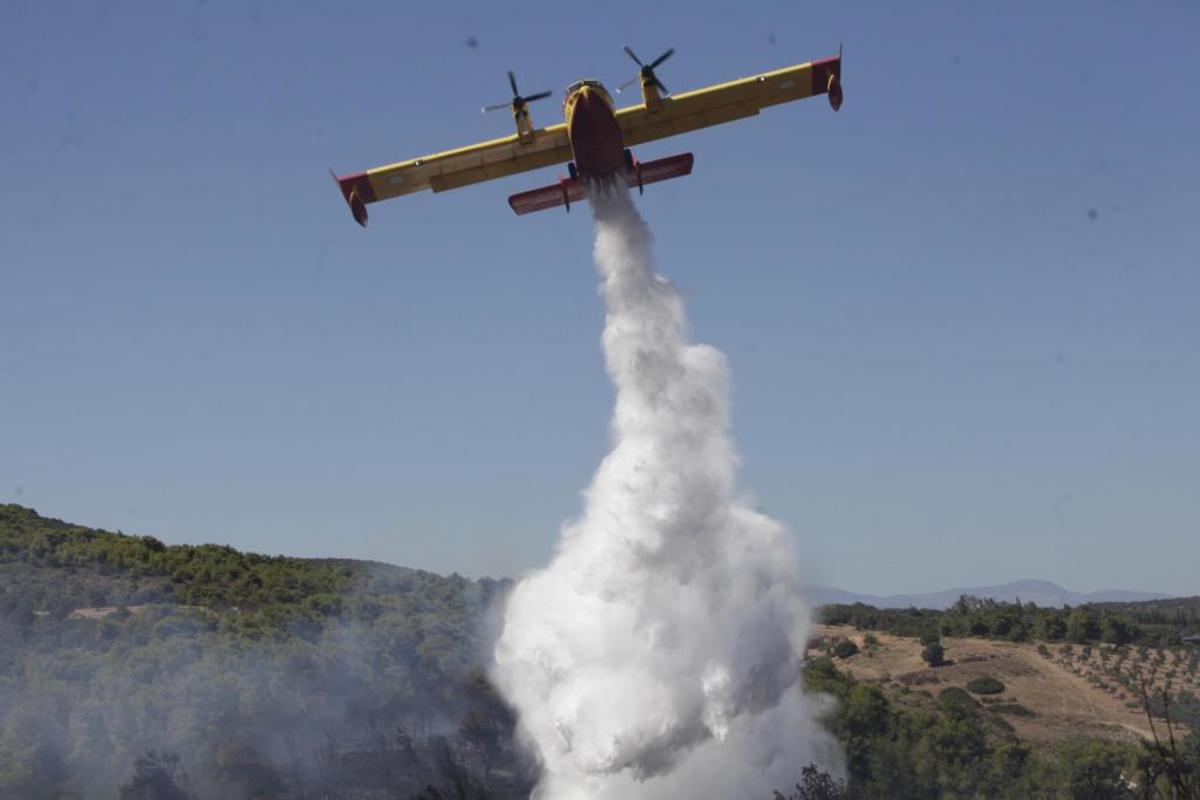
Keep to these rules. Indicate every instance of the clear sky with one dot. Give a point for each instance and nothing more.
(963, 314)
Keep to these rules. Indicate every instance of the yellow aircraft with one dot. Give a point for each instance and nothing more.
(595, 138)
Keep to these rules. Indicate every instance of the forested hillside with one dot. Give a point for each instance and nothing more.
(130, 668)
(1148, 622)
(912, 743)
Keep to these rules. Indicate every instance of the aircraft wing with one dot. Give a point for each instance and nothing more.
(725, 102)
(451, 169)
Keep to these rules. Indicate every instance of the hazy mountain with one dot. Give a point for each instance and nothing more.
(1044, 593)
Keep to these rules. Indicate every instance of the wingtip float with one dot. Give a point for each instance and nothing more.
(354, 189)
(595, 137)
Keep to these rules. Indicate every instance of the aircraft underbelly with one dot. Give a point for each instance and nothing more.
(596, 138)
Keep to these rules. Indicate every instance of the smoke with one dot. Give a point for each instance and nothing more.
(659, 654)
(378, 699)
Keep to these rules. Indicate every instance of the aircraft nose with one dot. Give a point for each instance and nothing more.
(587, 105)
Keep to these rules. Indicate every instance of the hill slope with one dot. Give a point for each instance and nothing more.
(265, 676)
(132, 669)
(1065, 695)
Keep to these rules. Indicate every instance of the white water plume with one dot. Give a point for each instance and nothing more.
(658, 655)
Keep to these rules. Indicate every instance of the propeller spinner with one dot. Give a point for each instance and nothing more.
(646, 71)
(518, 103)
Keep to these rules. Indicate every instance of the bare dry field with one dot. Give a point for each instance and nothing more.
(1067, 692)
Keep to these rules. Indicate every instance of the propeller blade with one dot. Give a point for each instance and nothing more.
(661, 89)
(628, 83)
(537, 96)
(632, 55)
(496, 107)
(662, 58)
(512, 81)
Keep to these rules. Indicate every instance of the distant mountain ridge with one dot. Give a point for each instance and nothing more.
(1046, 594)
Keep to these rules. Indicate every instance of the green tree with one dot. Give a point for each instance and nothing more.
(816, 785)
(978, 625)
(1096, 770)
(865, 717)
(1115, 630)
(1082, 625)
(934, 654)
(1049, 625)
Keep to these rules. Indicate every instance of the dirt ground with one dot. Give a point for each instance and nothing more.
(1065, 705)
(100, 612)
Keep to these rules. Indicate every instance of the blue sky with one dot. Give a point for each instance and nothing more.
(961, 313)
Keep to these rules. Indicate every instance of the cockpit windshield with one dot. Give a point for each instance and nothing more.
(577, 85)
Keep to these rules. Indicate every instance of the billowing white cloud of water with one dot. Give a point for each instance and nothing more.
(658, 655)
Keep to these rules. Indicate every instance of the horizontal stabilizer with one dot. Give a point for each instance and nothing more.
(571, 190)
(661, 169)
(563, 193)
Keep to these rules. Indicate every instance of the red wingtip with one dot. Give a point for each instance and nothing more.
(349, 189)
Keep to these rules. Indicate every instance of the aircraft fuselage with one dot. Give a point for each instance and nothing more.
(594, 131)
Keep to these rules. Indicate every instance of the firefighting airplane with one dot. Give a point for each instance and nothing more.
(595, 138)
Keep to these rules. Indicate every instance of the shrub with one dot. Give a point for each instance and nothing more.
(985, 685)
(954, 697)
(845, 648)
(934, 654)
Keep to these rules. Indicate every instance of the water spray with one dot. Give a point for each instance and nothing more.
(659, 654)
